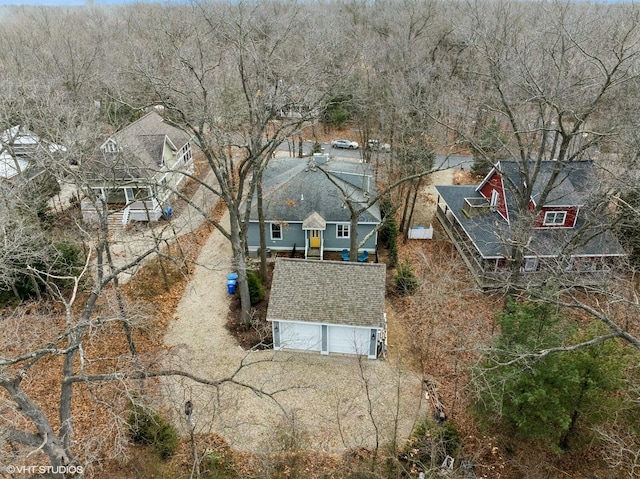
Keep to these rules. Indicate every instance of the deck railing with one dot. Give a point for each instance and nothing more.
(490, 274)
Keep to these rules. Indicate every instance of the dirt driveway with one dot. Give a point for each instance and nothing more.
(322, 401)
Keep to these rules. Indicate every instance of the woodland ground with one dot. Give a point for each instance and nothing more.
(323, 403)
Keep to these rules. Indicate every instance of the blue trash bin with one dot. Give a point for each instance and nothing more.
(232, 282)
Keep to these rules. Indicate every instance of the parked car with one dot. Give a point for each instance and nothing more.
(377, 145)
(346, 144)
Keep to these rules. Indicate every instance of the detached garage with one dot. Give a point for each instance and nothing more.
(328, 307)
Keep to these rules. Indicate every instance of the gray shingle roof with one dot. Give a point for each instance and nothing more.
(330, 292)
(145, 138)
(292, 191)
(141, 145)
(565, 187)
(490, 232)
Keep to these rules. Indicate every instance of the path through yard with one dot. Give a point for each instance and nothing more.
(322, 401)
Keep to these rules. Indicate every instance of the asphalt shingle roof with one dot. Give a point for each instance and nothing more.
(329, 292)
(490, 233)
(292, 190)
(141, 145)
(564, 191)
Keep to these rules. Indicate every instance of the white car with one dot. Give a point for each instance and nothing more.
(346, 144)
(377, 145)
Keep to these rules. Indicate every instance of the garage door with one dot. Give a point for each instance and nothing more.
(303, 336)
(345, 339)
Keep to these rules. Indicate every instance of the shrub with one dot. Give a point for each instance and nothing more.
(431, 442)
(217, 464)
(69, 260)
(256, 290)
(147, 427)
(406, 281)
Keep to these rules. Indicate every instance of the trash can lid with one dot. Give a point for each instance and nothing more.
(232, 276)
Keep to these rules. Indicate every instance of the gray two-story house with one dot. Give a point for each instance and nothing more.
(305, 206)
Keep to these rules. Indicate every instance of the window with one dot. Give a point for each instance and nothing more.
(186, 154)
(276, 231)
(554, 218)
(342, 231)
(110, 147)
(530, 264)
(495, 197)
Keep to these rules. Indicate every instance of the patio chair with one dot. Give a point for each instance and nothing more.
(345, 255)
(362, 257)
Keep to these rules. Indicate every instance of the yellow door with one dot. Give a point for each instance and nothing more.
(315, 239)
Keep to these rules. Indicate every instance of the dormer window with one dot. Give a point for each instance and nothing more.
(110, 147)
(495, 197)
(554, 218)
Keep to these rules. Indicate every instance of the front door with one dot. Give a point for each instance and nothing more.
(315, 239)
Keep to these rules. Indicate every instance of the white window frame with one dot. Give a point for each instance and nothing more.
(343, 230)
(495, 197)
(551, 218)
(530, 265)
(186, 154)
(110, 147)
(277, 230)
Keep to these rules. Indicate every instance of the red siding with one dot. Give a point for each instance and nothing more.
(495, 183)
(569, 220)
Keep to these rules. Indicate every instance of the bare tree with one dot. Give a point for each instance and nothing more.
(230, 72)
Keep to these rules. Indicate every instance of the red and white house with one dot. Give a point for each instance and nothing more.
(564, 233)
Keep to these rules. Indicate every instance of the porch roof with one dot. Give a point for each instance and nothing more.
(314, 222)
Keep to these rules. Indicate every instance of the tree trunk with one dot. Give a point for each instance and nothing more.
(564, 442)
(240, 264)
(262, 226)
(405, 208)
(49, 441)
(416, 191)
(353, 238)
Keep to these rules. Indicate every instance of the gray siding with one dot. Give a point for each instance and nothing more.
(332, 242)
(291, 234)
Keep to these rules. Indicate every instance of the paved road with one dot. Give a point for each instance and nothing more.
(442, 161)
(462, 162)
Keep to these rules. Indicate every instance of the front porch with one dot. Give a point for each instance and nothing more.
(121, 213)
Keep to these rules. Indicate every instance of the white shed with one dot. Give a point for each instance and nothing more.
(328, 307)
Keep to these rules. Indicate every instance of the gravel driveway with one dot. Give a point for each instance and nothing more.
(322, 403)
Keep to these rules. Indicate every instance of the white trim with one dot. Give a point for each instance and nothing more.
(495, 198)
(547, 214)
(110, 146)
(343, 225)
(279, 230)
(530, 264)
